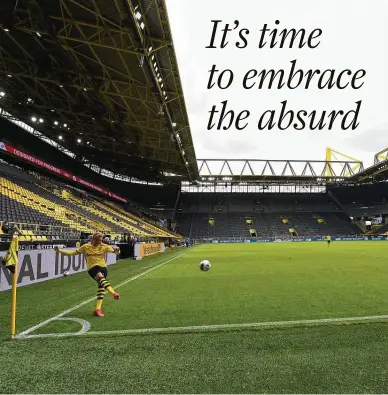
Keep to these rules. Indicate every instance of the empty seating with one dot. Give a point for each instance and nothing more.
(39, 207)
(231, 211)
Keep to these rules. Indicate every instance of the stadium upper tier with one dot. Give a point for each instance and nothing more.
(47, 208)
(363, 200)
(251, 202)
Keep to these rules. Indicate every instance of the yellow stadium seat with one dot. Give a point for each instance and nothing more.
(107, 211)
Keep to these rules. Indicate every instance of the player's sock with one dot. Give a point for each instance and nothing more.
(100, 297)
(105, 284)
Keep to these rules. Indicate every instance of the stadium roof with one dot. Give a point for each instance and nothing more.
(313, 172)
(376, 173)
(100, 78)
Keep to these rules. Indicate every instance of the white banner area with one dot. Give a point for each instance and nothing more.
(36, 266)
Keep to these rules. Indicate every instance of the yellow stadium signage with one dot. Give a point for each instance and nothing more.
(147, 249)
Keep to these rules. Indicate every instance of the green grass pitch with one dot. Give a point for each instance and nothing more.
(202, 352)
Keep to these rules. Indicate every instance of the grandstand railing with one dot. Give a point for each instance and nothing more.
(48, 230)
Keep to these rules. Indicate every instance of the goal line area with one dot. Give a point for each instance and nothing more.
(85, 330)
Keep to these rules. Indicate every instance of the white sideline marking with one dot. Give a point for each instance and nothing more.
(35, 327)
(203, 328)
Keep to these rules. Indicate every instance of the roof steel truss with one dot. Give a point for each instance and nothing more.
(243, 170)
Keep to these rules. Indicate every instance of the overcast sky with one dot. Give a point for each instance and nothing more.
(354, 37)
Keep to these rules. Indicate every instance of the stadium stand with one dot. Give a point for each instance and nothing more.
(307, 214)
(363, 200)
(46, 207)
(160, 200)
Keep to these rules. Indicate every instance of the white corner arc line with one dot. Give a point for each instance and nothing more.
(85, 326)
(208, 328)
(65, 312)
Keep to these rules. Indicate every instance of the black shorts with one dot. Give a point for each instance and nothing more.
(97, 269)
(328, 241)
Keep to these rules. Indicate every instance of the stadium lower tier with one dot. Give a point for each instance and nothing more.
(46, 207)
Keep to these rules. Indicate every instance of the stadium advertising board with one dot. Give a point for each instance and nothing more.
(147, 249)
(37, 246)
(232, 241)
(56, 170)
(301, 239)
(36, 266)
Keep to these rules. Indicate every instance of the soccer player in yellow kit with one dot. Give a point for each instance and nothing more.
(97, 269)
(328, 239)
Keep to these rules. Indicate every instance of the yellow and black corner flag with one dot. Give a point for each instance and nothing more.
(11, 257)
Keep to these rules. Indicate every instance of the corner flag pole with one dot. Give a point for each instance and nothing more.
(13, 302)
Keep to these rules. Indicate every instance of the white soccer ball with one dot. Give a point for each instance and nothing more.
(205, 265)
(65, 274)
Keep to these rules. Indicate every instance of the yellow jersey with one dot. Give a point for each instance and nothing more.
(94, 255)
(328, 238)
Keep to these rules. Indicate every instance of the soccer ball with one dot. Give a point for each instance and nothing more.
(205, 265)
(65, 274)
